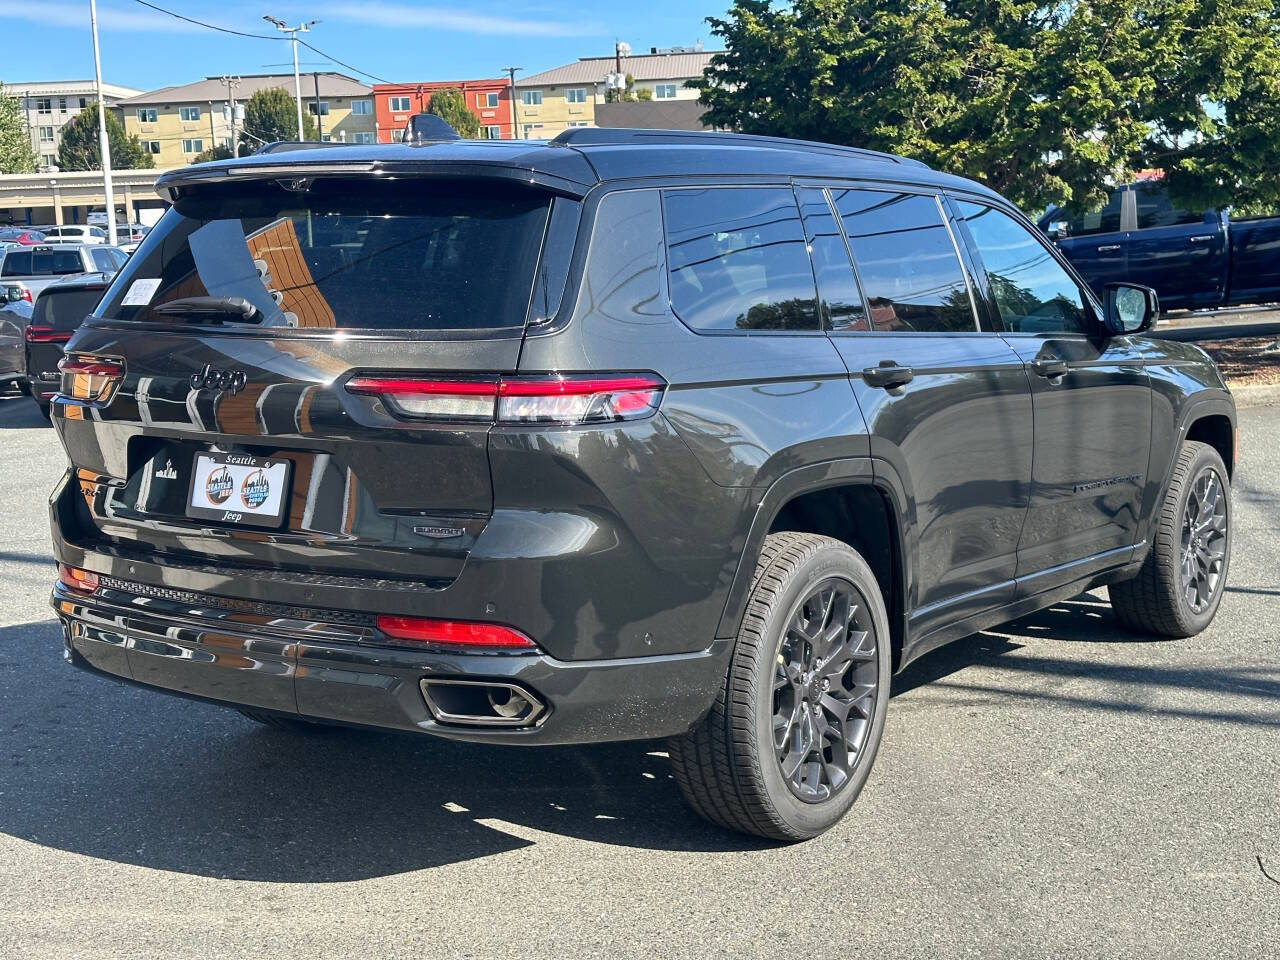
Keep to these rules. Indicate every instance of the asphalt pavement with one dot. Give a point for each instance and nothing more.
(1056, 787)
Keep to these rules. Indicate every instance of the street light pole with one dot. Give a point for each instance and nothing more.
(515, 123)
(104, 142)
(304, 27)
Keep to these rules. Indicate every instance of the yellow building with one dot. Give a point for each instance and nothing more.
(549, 102)
(176, 123)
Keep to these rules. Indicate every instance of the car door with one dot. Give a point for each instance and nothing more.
(1095, 241)
(1090, 395)
(1182, 254)
(947, 403)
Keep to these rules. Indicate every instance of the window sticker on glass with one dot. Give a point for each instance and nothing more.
(141, 292)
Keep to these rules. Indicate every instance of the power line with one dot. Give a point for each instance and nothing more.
(210, 26)
(329, 56)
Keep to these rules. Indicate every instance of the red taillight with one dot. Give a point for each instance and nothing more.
(89, 379)
(73, 578)
(47, 335)
(453, 633)
(525, 399)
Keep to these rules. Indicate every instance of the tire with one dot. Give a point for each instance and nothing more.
(279, 721)
(729, 767)
(1159, 599)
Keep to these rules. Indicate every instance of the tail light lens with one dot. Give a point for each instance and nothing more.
(530, 399)
(89, 379)
(37, 334)
(73, 578)
(453, 633)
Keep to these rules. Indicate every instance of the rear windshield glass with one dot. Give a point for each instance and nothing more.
(41, 263)
(64, 309)
(384, 255)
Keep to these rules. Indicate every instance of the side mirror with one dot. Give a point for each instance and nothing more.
(1057, 229)
(1131, 308)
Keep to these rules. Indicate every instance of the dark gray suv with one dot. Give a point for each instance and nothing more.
(625, 435)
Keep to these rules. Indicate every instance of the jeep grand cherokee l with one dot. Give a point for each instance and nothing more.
(625, 435)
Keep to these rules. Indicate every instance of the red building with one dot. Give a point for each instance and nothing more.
(489, 100)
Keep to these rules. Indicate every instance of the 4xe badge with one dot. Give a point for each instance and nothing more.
(219, 486)
(255, 490)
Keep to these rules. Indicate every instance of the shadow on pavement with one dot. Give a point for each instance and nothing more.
(18, 410)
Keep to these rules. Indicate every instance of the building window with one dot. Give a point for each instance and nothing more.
(577, 95)
(531, 98)
(361, 108)
(491, 99)
(62, 104)
(189, 114)
(84, 102)
(44, 105)
(191, 146)
(151, 146)
(664, 91)
(362, 137)
(146, 114)
(491, 133)
(48, 160)
(323, 107)
(398, 104)
(397, 136)
(46, 134)
(529, 129)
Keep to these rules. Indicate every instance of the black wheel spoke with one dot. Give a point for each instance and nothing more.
(1204, 540)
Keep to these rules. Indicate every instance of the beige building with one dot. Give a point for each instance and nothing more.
(176, 123)
(549, 102)
(47, 107)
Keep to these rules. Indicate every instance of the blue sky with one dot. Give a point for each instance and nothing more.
(394, 39)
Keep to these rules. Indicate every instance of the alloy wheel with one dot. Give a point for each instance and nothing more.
(825, 685)
(1204, 540)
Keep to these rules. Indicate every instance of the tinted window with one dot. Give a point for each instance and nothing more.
(44, 263)
(838, 294)
(65, 309)
(1155, 209)
(392, 255)
(102, 260)
(1034, 293)
(1082, 221)
(737, 259)
(910, 272)
(17, 263)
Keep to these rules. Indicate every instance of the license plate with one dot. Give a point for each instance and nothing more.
(237, 488)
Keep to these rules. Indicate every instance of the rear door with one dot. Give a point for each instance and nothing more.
(343, 280)
(946, 402)
(1181, 253)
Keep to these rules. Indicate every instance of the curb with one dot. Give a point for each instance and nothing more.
(1258, 395)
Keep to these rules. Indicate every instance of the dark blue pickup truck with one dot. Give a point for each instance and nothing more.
(1193, 259)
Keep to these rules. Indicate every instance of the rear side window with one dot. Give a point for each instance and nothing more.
(737, 259)
(65, 309)
(406, 254)
(1082, 222)
(910, 271)
(102, 260)
(1155, 209)
(838, 294)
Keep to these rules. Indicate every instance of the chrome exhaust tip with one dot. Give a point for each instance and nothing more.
(481, 703)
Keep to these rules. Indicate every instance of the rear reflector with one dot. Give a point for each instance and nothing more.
(528, 399)
(47, 335)
(453, 633)
(73, 578)
(89, 379)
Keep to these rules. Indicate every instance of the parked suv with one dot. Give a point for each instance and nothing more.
(57, 312)
(37, 267)
(625, 435)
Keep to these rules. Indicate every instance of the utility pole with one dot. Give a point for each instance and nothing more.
(231, 83)
(104, 142)
(515, 123)
(304, 27)
(315, 78)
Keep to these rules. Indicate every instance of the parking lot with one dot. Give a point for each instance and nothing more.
(1054, 785)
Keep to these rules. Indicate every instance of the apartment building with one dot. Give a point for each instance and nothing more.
(554, 100)
(177, 123)
(489, 100)
(48, 107)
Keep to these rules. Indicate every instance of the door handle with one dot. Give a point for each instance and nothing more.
(1049, 367)
(1109, 248)
(888, 375)
(1201, 238)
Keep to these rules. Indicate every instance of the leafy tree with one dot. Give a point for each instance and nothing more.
(1044, 102)
(79, 148)
(16, 155)
(271, 115)
(219, 151)
(450, 105)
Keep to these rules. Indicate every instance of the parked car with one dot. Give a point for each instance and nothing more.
(21, 235)
(57, 314)
(15, 313)
(1194, 259)
(131, 235)
(632, 434)
(37, 267)
(75, 233)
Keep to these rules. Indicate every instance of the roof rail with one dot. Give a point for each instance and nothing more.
(635, 136)
(284, 146)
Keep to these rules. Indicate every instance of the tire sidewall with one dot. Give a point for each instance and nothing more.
(832, 560)
(1194, 622)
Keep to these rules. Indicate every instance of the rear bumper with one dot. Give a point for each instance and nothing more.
(299, 662)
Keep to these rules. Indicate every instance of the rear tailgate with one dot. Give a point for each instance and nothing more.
(211, 422)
